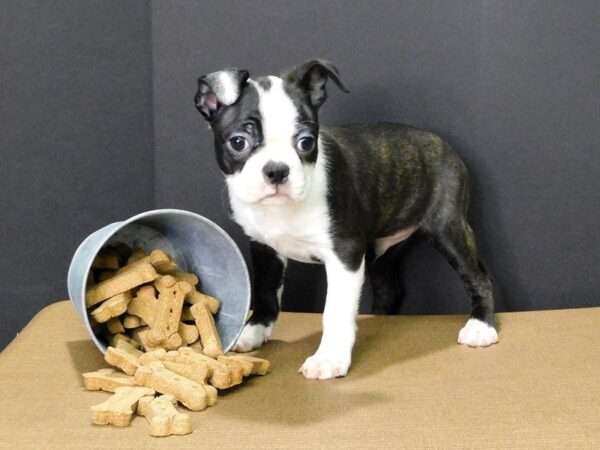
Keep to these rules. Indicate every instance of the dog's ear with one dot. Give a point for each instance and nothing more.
(219, 89)
(312, 76)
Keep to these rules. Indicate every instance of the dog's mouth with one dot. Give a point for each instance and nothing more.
(274, 195)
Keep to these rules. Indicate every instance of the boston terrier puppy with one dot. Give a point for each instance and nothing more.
(343, 196)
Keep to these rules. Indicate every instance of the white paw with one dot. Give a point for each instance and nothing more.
(477, 333)
(252, 336)
(323, 367)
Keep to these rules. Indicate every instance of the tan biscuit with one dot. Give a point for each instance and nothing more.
(196, 297)
(128, 348)
(246, 366)
(168, 312)
(221, 376)
(189, 333)
(141, 335)
(120, 283)
(119, 358)
(260, 366)
(208, 331)
(155, 355)
(114, 326)
(104, 275)
(136, 254)
(198, 372)
(237, 370)
(191, 394)
(106, 380)
(219, 373)
(144, 304)
(211, 394)
(159, 260)
(106, 261)
(197, 346)
(118, 409)
(114, 340)
(130, 321)
(163, 417)
(162, 262)
(187, 277)
(113, 307)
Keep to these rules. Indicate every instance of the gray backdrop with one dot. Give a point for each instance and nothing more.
(513, 86)
(75, 138)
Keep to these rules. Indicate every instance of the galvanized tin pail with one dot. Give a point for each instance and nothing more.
(197, 245)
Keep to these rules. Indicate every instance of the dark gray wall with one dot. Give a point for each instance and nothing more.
(75, 138)
(512, 85)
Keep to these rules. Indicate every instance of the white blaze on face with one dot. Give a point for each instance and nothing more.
(278, 120)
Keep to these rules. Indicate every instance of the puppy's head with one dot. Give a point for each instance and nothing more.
(266, 129)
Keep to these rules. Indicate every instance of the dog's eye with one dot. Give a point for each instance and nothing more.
(306, 143)
(238, 143)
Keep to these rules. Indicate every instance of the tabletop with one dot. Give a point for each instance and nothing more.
(410, 386)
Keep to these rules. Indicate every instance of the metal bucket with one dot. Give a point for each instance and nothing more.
(197, 245)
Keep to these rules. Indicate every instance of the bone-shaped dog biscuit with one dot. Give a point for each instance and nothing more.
(142, 335)
(197, 297)
(159, 260)
(118, 409)
(114, 340)
(130, 321)
(187, 277)
(246, 366)
(192, 395)
(237, 371)
(260, 366)
(112, 307)
(207, 329)
(155, 355)
(198, 372)
(128, 348)
(120, 283)
(163, 417)
(189, 333)
(168, 312)
(220, 374)
(211, 394)
(144, 304)
(197, 346)
(221, 378)
(105, 261)
(119, 358)
(115, 326)
(136, 254)
(106, 380)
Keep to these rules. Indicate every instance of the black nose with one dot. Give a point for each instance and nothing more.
(276, 172)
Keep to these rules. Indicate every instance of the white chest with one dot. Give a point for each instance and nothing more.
(296, 231)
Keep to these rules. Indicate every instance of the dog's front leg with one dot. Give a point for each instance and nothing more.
(269, 270)
(334, 354)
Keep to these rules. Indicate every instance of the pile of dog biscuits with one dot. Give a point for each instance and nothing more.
(162, 337)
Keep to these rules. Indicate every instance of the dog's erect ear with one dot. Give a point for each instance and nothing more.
(312, 76)
(219, 89)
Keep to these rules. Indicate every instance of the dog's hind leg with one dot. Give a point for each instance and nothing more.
(269, 270)
(457, 243)
(450, 233)
(384, 273)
